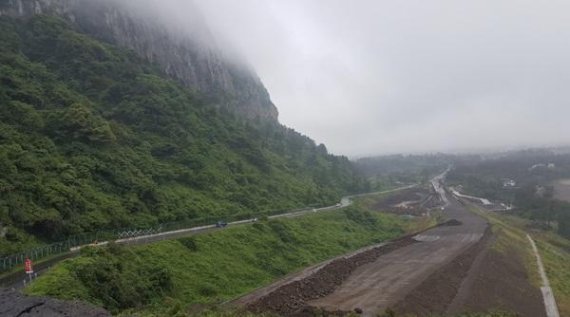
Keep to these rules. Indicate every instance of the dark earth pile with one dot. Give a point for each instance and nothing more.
(291, 299)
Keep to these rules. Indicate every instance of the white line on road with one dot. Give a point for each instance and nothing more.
(549, 301)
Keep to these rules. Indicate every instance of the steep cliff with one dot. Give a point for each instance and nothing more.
(189, 54)
(93, 137)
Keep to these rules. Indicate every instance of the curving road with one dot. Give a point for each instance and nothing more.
(17, 279)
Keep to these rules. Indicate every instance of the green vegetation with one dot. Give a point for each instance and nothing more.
(92, 137)
(214, 267)
(555, 252)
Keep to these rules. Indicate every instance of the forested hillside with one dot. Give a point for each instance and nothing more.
(93, 137)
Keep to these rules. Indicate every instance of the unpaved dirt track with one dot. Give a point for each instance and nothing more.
(378, 285)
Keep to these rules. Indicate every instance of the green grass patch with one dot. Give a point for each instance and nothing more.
(557, 266)
(215, 267)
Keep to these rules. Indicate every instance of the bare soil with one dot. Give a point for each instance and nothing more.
(413, 201)
(479, 280)
(371, 281)
(500, 282)
(446, 270)
(562, 189)
(435, 294)
(291, 299)
(381, 284)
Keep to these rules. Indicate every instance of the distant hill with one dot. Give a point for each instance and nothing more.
(94, 136)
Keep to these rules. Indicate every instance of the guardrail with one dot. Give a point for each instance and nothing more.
(74, 244)
(124, 235)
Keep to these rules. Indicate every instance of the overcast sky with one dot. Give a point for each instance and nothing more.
(377, 77)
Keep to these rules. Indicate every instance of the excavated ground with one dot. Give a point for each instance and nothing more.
(435, 294)
(374, 280)
(446, 270)
(413, 201)
(291, 299)
(498, 281)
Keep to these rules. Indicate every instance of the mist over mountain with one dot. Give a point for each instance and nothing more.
(179, 41)
(110, 119)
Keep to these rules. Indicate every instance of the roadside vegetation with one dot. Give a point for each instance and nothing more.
(178, 276)
(555, 252)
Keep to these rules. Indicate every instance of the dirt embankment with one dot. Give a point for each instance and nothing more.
(435, 294)
(290, 299)
(15, 304)
(481, 279)
(413, 201)
(500, 282)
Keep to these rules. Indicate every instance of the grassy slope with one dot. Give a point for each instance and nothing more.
(218, 266)
(555, 252)
(553, 248)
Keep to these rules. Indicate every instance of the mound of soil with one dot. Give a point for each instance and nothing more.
(413, 194)
(452, 222)
(290, 299)
(15, 304)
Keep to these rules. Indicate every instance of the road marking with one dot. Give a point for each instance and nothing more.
(549, 300)
(426, 238)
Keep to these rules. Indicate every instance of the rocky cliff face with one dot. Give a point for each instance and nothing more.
(189, 54)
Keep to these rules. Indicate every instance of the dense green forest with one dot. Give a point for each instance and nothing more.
(93, 137)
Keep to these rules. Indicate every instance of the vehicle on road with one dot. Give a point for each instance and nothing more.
(221, 224)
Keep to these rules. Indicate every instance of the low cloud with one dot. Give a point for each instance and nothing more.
(370, 77)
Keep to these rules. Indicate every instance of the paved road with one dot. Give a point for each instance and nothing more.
(16, 280)
(374, 287)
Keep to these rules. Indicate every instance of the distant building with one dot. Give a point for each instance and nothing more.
(509, 183)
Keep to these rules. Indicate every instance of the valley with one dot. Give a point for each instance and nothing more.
(146, 171)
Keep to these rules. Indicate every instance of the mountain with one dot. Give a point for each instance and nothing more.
(96, 135)
(184, 49)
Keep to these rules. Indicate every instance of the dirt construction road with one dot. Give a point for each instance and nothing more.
(381, 284)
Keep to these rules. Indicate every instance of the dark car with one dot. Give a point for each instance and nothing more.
(221, 224)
